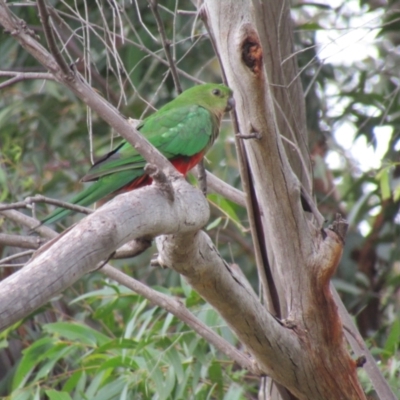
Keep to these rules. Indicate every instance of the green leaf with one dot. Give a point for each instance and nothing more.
(117, 344)
(119, 362)
(176, 362)
(55, 395)
(110, 390)
(234, 392)
(169, 383)
(31, 357)
(167, 323)
(393, 341)
(95, 384)
(95, 294)
(72, 381)
(310, 26)
(77, 332)
(396, 193)
(215, 374)
(225, 207)
(131, 325)
(214, 224)
(384, 183)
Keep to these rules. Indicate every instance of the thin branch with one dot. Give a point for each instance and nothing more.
(29, 222)
(144, 26)
(140, 46)
(176, 308)
(12, 265)
(14, 256)
(48, 31)
(26, 242)
(166, 44)
(76, 51)
(42, 199)
(23, 76)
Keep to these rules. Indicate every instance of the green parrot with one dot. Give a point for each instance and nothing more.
(182, 130)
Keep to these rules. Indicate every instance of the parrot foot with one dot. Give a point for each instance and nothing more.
(161, 180)
(156, 262)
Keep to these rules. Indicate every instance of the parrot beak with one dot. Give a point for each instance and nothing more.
(231, 104)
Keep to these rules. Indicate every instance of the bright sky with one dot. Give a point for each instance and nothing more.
(346, 46)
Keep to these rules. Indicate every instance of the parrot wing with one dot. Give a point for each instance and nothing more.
(185, 132)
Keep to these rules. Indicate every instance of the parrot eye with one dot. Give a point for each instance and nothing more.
(216, 92)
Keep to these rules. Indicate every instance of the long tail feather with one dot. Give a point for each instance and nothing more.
(98, 190)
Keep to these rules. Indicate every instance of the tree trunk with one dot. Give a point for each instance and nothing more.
(255, 46)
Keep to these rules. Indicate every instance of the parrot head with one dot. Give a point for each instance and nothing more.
(216, 98)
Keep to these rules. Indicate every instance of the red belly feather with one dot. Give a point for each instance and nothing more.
(182, 164)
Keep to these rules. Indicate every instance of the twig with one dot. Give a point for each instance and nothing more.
(22, 76)
(12, 265)
(14, 256)
(166, 44)
(187, 12)
(140, 46)
(42, 199)
(76, 51)
(29, 222)
(142, 23)
(176, 308)
(26, 242)
(48, 32)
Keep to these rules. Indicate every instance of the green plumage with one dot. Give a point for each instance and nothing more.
(181, 129)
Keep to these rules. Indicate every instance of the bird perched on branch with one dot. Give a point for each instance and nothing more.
(182, 130)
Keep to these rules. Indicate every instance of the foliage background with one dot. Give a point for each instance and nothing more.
(100, 341)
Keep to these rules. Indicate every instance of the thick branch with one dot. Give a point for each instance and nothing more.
(143, 213)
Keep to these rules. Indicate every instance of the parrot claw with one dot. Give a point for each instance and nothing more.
(161, 180)
(156, 262)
